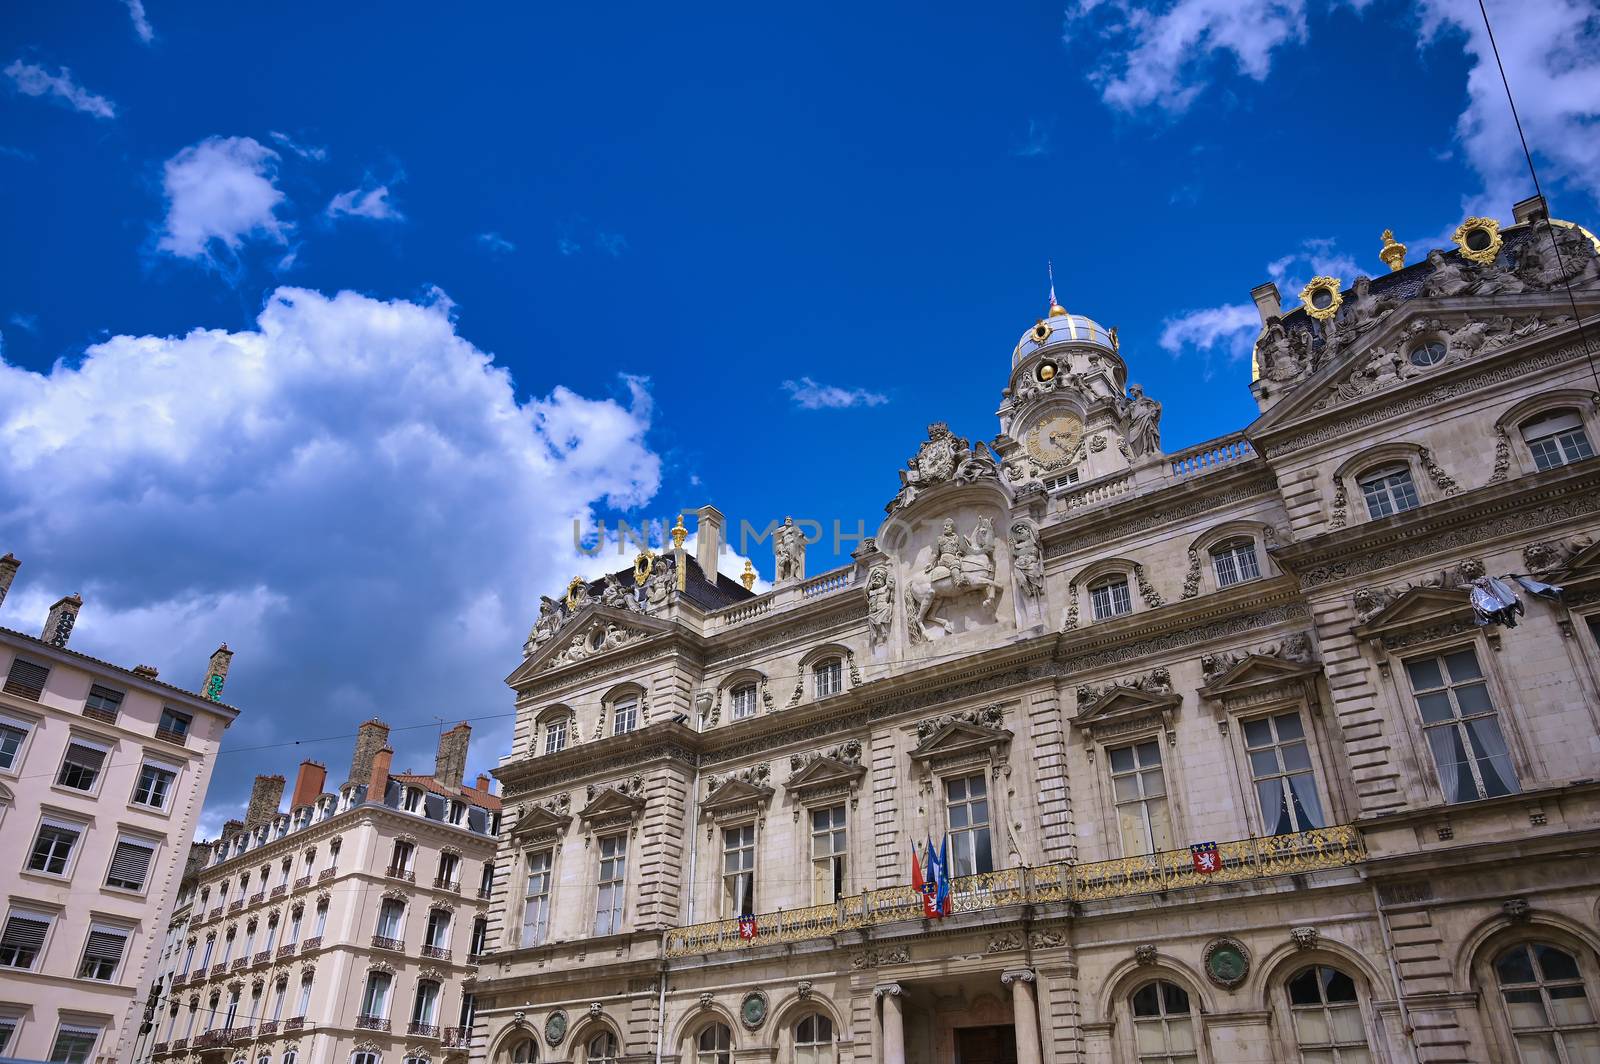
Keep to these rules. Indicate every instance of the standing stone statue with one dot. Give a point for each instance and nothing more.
(1026, 559)
(788, 552)
(880, 604)
(1144, 423)
(549, 622)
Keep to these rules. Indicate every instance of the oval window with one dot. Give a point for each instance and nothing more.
(1428, 353)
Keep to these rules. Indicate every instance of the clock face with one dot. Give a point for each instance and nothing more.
(1053, 440)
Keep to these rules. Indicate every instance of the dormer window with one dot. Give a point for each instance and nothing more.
(413, 800)
(1556, 439)
(457, 810)
(1389, 490)
(827, 677)
(1109, 597)
(1235, 562)
(555, 736)
(744, 701)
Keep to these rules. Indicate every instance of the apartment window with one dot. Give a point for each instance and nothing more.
(425, 1009)
(813, 1040)
(295, 916)
(103, 704)
(53, 846)
(412, 800)
(449, 869)
(188, 958)
(82, 764)
(272, 935)
(739, 870)
(155, 784)
(130, 864)
(1327, 1017)
(536, 899)
(400, 860)
(714, 1046)
(437, 933)
(26, 679)
(828, 849)
(8, 1030)
(291, 1056)
(365, 1056)
(1461, 725)
(486, 880)
(1163, 1028)
(1547, 1004)
(102, 953)
(173, 724)
(967, 813)
(23, 939)
(625, 716)
(205, 958)
(744, 701)
(1280, 768)
(74, 1044)
(480, 936)
(13, 733)
(227, 945)
(1389, 491)
(1235, 562)
(457, 811)
(1139, 790)
(305, 996)
(391, 919)
(602, 1049)
(279, 994)
(1109, 597)
(828, 677)
(1556, 439)
(375, 1000)
(613, 877)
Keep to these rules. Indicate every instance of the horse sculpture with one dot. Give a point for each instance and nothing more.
(961, 566)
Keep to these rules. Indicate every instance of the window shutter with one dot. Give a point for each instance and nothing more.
(105, 944)
(433, 806)
(25, 933)
(87, 753)
(26, 679)
(130, 864)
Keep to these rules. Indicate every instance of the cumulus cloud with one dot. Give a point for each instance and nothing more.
(495, 244)
(141, 23)
(809, 395)
(31, 79)
(1229, 331)
(221, 191)
(370, 202)
(350, 493)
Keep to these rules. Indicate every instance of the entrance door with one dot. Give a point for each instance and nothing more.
(986, 1045)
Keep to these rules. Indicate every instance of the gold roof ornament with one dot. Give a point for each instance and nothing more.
(679, 534)
(1478, 239)
(643, 563)
(1057, 310)
(748, 577)
(1393, 253)
(1116, 345)
(1321, 297)
(572, 592)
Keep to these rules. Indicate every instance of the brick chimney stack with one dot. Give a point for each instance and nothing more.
(217, 673)
(370, 738)
(308, 784)
(8, 572)
(378, 779)
(450, 766)
(264, 799)
(230, 828)
(63, 615)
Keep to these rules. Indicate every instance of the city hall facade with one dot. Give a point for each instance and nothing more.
(1255, 751)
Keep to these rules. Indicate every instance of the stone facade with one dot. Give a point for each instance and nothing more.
(1223, 762)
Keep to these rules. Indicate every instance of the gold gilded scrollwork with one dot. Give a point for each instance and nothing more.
(1487, 244)
(1321, 297)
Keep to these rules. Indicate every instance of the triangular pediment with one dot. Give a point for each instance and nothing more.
(610, 803)
(1255, 671)
(1585, 563)
(825, 772)
(593, 632)
(539, 822)
(1416, 606)
(959, 737)
(735, 793)
(1116, 702)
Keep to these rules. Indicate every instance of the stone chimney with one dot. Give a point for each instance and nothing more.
(1269, 304)
(370, 738)
(63, 615)
(230, 828)
(1531, 209)
(450, 766)
(264, 799)
(217, 673)
(8, 572)
(149, 672)
(313, 776)
(378, 777)
(708, 540)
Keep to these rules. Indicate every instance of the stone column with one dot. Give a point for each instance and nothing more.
(894, 1023)
(1025, 1012)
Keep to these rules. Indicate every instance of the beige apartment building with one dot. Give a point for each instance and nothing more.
(1254, 751)
(103, 771)
(345, 928)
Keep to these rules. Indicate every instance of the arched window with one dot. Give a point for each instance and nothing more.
(813, 1040)
(265, 1058)
(291, 1056)
(1235, 562)
(1327, 1017)
(1108, 597)
(365, 1056)
(524, 1052)
(1389, 490)
(1556, 439)
(1163, 1029)
(425, 1008)
(602, 1049)
(1547, 1005)
(714, 1046)
(744, 701)
(827, 677)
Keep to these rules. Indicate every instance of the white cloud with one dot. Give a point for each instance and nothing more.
(1229, 330)
(568, 246)
(809, 395)
(371, 202)
(495, 243)
(1315, 258)
(141, 23)
(350, 493)
(305, 151)
(613, 244)
(1036, 143)
(25, 322)
(221, 191)
(34, 80)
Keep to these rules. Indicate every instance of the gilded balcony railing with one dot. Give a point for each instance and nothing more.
(1245, 859)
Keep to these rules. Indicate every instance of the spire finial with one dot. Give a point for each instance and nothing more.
(1055, 310)
(1394, 252)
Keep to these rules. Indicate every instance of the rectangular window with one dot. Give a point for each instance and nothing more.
(613, 879)
(1235, 563)
(829, 678)
(102, 953)
(828, 849)
(1139, 790)
(8, 1029)
(81, 767)
(555, 737)
(26, 679)
(1280, 768)
(52, 848)
(174, 725)
(536, 899)
(103, 704)
(155, 784)
(1110, 599)
(322, 920)
(449, 869)
(23, 939)
(375, 1002)
(1389, 492)
(967, 813)
(425, 1009)
(305, 997)
(437, 933)
(13, 733)
(130, 864)
(739, 870)
(1557, 439)
(74, 1044)
(391, 916)
(744, 701)
(1462, 727)
(626, 716)
(404, 854)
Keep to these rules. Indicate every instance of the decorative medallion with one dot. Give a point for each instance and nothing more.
(572, 592)
(555, 1027)
(1045, 371)
(1321, 297)
(753, 1010)
(1227, 962)
(1054, 440)
(642, 564)
(1479, 240)
(1040, 332)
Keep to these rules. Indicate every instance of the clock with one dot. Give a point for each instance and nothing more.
(1052, 441)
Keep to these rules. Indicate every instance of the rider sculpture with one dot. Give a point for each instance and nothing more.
(960, 567)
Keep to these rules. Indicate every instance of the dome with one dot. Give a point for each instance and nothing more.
(1062, 327)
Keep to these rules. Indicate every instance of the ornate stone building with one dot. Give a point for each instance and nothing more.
(1256, 751)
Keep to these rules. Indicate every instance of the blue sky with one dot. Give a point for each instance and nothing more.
(320, 326)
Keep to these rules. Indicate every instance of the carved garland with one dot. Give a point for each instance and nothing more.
(1191, 578)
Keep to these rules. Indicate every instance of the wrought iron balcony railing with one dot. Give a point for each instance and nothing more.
(1246, 859)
